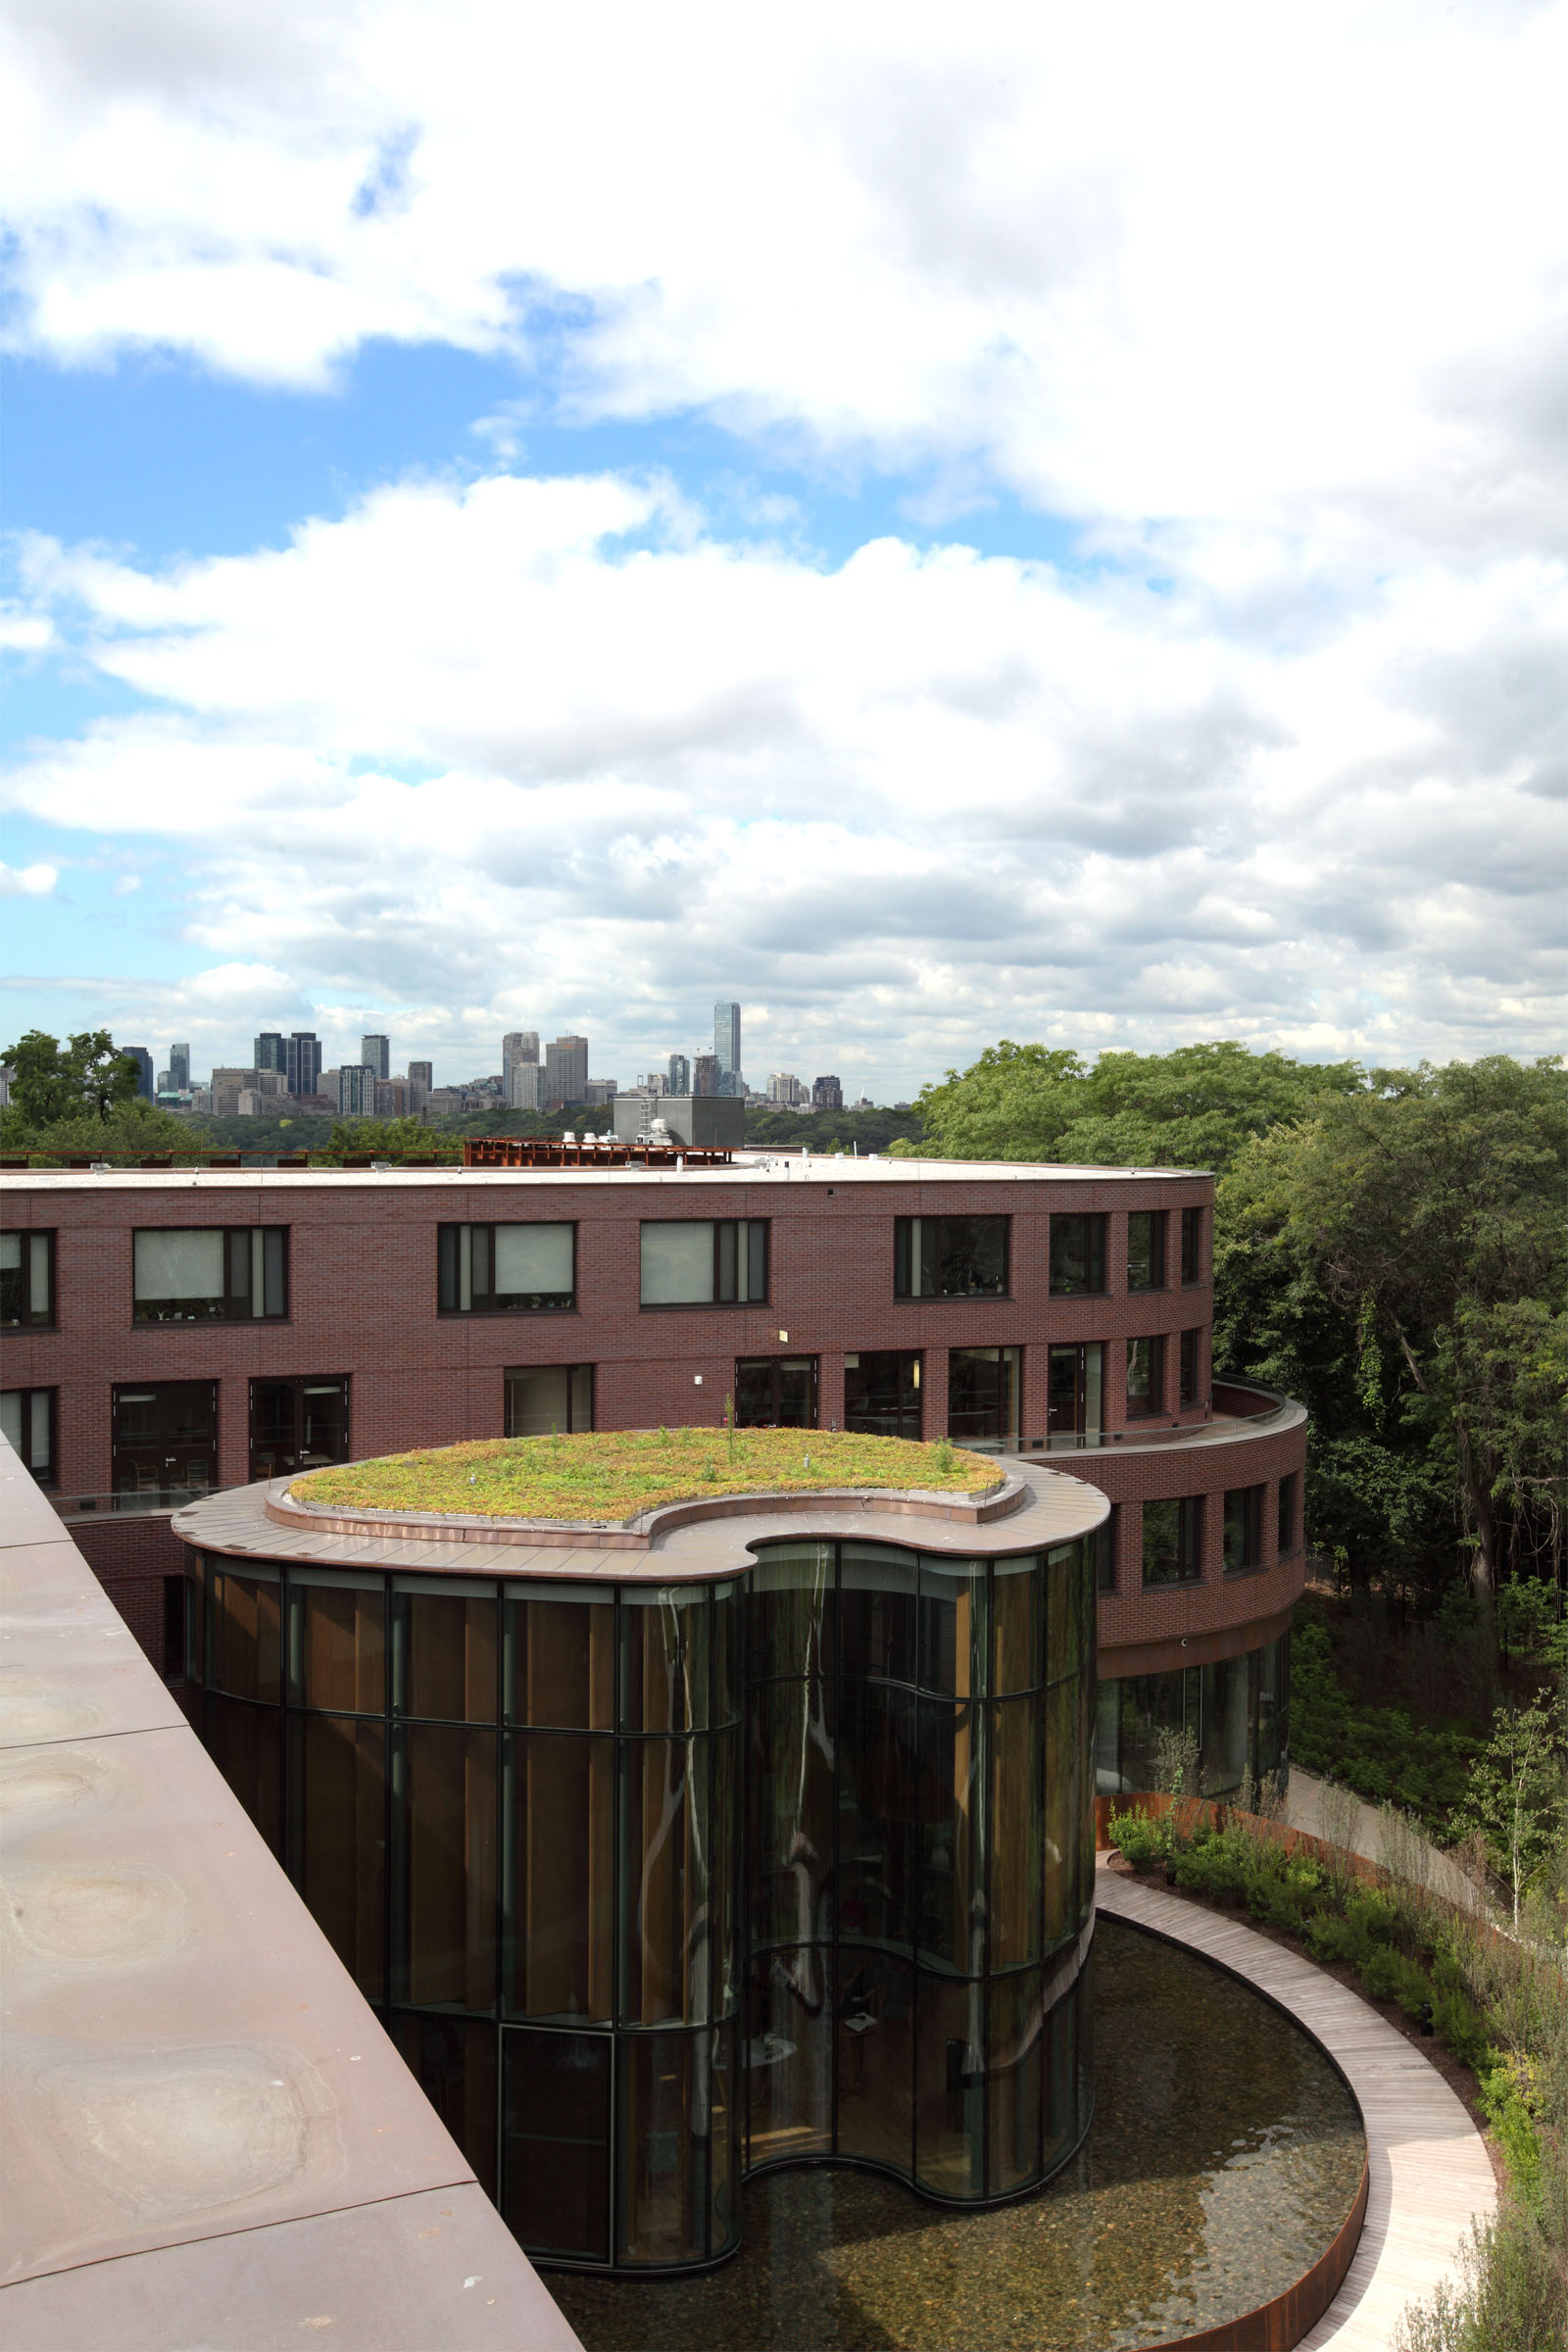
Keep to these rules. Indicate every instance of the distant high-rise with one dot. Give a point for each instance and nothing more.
(525, 1085)
(144, 1069)
(519, 1068)
(727, 1038)
(357, 1083)
(828, 1093)
(421, 1082)
(680, 1075)
(303, 1061)
(705, 1073)
(375, 1053)
(180, 1069)
(567, 1071)
(272, 1051)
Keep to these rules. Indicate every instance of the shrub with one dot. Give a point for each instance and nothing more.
(1140, 1838)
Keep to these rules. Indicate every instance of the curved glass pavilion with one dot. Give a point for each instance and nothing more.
(657, 1884)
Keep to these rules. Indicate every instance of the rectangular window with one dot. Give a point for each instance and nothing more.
(775, 1392)
(1290, 1532)
(1174, 1540)
(696, 1263)
(165, 1444)
(1103, 1546)
(505, 1269)
(1077, 1256)
(1192, 1245)
(949, 1257)
(298, 1425)
(983, 1398)
(882, 1392)
(545, 1398)
(1189, 1367)
(212, 1274)
(27, 1281)
(1145, 1377)
(1146, 1249)
(1244, 1528)
(1074, 1385)
(27, 1419)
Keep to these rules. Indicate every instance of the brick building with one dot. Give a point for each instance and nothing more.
(167, 1333)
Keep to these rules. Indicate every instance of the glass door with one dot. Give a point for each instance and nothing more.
(165, 1444)
(1074, 1379)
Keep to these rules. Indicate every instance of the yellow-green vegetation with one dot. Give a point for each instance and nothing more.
(615, 1473)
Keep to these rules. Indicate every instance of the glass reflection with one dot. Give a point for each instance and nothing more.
(559, 1944)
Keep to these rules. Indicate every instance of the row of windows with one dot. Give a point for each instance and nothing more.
(207, 1274)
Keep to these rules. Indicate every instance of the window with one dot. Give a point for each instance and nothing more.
(1290, 1533)
(1146, 1249)
(1192, 1245)
(165, 1444)
(1244, 1528)
(700, 1264)
(1074, 1381)
(882, 1392)
(26, 1280)
(545, 1398)
(1077, 1255)
(212, 1274)
(1145, 1377)
(1102, 1547)
(298, 1425)
(27, 1419)
(949, 1257)
(1174, 1540)
(1189, 1367)
(775, 1392)
(983, 1396)
(505, 1269)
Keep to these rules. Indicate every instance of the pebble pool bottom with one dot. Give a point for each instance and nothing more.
(1224, 2156)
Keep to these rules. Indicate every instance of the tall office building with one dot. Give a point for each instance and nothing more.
(567, 1071)
(705, 1073)
(375, 1053)
(272, 1051)
(180, 1069)
(526, 1086)
(680, 1075)
(519, 1069)
(303, 1061)
(357, 1083)
(727, 1038)
(144, 1068)
(422, 1083)
(828, 1093)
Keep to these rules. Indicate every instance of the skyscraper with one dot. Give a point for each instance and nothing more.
(727, 1038)
(144, 1068)
(355, 1090)
(422, 1078)
(680, 1075)
(567, 1071)
(272, 1051)
(705, 1073)
(375, 1053)
(303, 1061)
(519, 1068)
(180, 1069)
(828, 1093)
(526, 1086)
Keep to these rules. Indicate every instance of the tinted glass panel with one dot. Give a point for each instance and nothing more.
(882, 1392)
(559, 1948)
(338, 1834)
(791, 1610)
(791, 1807)
(666, 2124)
(247, 1624)
(1077, 1255)
(876, 2055)
(452, 2059)
(665, 1959)
(342, 1646)
(1017, 2047)
(244, 1743)
(949, 2144)
(556, 2143)
(788, 2054)
(449, 1657)
(447, 1875)
(1146, 1249)
(561, 1663)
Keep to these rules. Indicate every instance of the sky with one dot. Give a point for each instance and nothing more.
(1037, 522)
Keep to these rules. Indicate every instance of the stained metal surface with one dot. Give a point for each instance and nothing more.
(209, 2140)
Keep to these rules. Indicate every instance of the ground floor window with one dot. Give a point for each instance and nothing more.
(775, 1392)
(298, 1425)
(1231, 1716)
(1074, 1380)
(27, 1419)
(983, 1396)
(1174, 1540)
(882, 1392)
(542, 1397)
(165, 1444)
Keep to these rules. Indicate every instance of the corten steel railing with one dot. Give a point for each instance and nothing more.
(593, 1152)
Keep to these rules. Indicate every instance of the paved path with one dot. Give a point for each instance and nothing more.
(1430, 2172)
(1303, 1810)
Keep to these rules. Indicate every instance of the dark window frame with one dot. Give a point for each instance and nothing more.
(573, 1426)
(448, 1270)
(166, 1489)
(910, 1389)
(234, 1301)
(1243, 1529)
(934, 1257)
(1156, 1221)
(1287, 1516)
(1189, 1381)
(775, 1364)
(49, 1475)
(30, 1319)
(1152, 1401)
(1092, 1253)
(1189, 1548)
(299, 1382)
(726, 1266)
(1192, 1276)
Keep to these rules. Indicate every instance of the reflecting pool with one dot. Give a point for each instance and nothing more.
(1225, 2154)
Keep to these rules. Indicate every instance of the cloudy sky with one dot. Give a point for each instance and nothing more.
(1044, 522)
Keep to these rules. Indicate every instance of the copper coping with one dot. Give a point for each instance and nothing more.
(210, 2141)
(1047, 1506)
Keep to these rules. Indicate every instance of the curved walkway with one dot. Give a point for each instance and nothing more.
(1303, 1810)
(1430, 2174)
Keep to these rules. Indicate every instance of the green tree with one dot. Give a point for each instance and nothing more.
(1515, 1796)
(51, 1083)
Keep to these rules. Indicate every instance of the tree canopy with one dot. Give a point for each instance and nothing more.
(51, 1082)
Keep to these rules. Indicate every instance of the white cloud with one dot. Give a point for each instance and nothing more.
(27, 881)
(1302, 266)
(546, 753)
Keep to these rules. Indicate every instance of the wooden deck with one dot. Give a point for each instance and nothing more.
(1430, 2172)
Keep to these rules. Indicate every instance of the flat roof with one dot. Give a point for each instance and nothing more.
(748, 1168)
